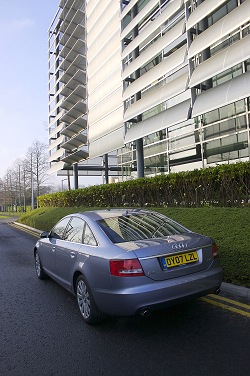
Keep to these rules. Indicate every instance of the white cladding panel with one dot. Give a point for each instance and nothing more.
(223, 60)
(105, 125)
(157, 96)
(163, 120)
(202, 11)
(96, 17)
(155, 25)
(105, 115)
(221, 28)
(164, 68)
(107, 143)
(150, 5)
(154, 49)
(221, 95)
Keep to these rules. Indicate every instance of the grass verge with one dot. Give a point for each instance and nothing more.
(228, 226)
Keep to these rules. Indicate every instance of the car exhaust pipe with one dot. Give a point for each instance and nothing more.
(145, 312)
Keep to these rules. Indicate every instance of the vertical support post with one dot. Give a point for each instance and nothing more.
(32, 191)
(106, 168)
(68, 176)
(140, 158)
(24, 192)
(139, 142)
(20, 190)
(75, 172)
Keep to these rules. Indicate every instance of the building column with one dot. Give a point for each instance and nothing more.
(140, 158)
(75, 173)
(139, 143)
(106, 168)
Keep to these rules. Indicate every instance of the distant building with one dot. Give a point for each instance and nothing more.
(160, 86)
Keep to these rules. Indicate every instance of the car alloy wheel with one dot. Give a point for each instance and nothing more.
(39, 269)
(83, 299)
(89, 311)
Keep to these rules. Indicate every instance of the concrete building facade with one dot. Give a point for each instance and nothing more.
(162, 85)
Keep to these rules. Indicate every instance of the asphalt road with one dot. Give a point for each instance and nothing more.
(42, 332)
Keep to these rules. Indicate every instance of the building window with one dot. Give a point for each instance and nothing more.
(222, 11)
(225, 133)
(227, 148)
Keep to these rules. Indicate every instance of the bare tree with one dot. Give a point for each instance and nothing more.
(36, 166)
(26, 179)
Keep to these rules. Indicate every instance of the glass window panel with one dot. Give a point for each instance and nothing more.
(219, 14)
(89, 237)
(223, 11)
(247, 64)
(141, 4)
(211, 117)
(214, 158)
(225, 146)
(227, 75)
(227, 126)
(59, 229)
(241, 122)
(227, 111)
(237, 70)
(155, 149)
(211, 131)
(246, 31)
(242, 137)
(153, 111)
(239, 107)
(155, 165)
(126, 20)
(243, 153)
(182, 142)
(154, 137)
(75, 230)
(136, 227)
(231, 5)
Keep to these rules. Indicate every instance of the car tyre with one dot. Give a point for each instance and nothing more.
(89, 311)
(39, 269)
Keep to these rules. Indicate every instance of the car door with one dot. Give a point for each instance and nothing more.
(50, 244)
(67, 251)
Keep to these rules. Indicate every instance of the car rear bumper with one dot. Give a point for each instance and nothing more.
(152, 295)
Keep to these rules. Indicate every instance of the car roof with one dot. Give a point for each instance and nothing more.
(96, 215)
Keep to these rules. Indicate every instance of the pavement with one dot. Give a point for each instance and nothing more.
(226, 288)
(7, 218)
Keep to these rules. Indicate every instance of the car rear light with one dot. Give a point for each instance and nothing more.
(126, 268)
(215, 250)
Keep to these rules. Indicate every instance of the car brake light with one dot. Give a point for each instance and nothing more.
(126, 268)
(215, 250)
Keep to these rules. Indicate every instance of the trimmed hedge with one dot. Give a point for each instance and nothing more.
(223, 185)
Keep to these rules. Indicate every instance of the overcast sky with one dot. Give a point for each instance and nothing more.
(24, 28)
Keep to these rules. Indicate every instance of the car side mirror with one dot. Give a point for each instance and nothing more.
(45, 234)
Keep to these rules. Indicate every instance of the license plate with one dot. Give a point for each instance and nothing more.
(180, 259)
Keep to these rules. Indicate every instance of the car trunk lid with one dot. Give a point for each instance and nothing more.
(172, 256)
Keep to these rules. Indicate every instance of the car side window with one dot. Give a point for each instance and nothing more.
(88, 237)
(59, 229)
(74, 231)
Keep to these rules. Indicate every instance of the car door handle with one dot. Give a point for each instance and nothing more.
(72, 254)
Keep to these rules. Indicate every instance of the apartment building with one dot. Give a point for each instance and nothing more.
(162, 85)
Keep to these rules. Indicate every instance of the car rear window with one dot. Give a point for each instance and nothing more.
(131, 227)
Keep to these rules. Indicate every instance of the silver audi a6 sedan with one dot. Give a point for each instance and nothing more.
(123, 262)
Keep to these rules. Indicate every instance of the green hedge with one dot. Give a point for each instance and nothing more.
(223, 185)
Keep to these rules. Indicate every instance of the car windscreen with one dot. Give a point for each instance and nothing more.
(133, 227)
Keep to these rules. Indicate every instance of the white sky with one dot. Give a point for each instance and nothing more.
(24, 28)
